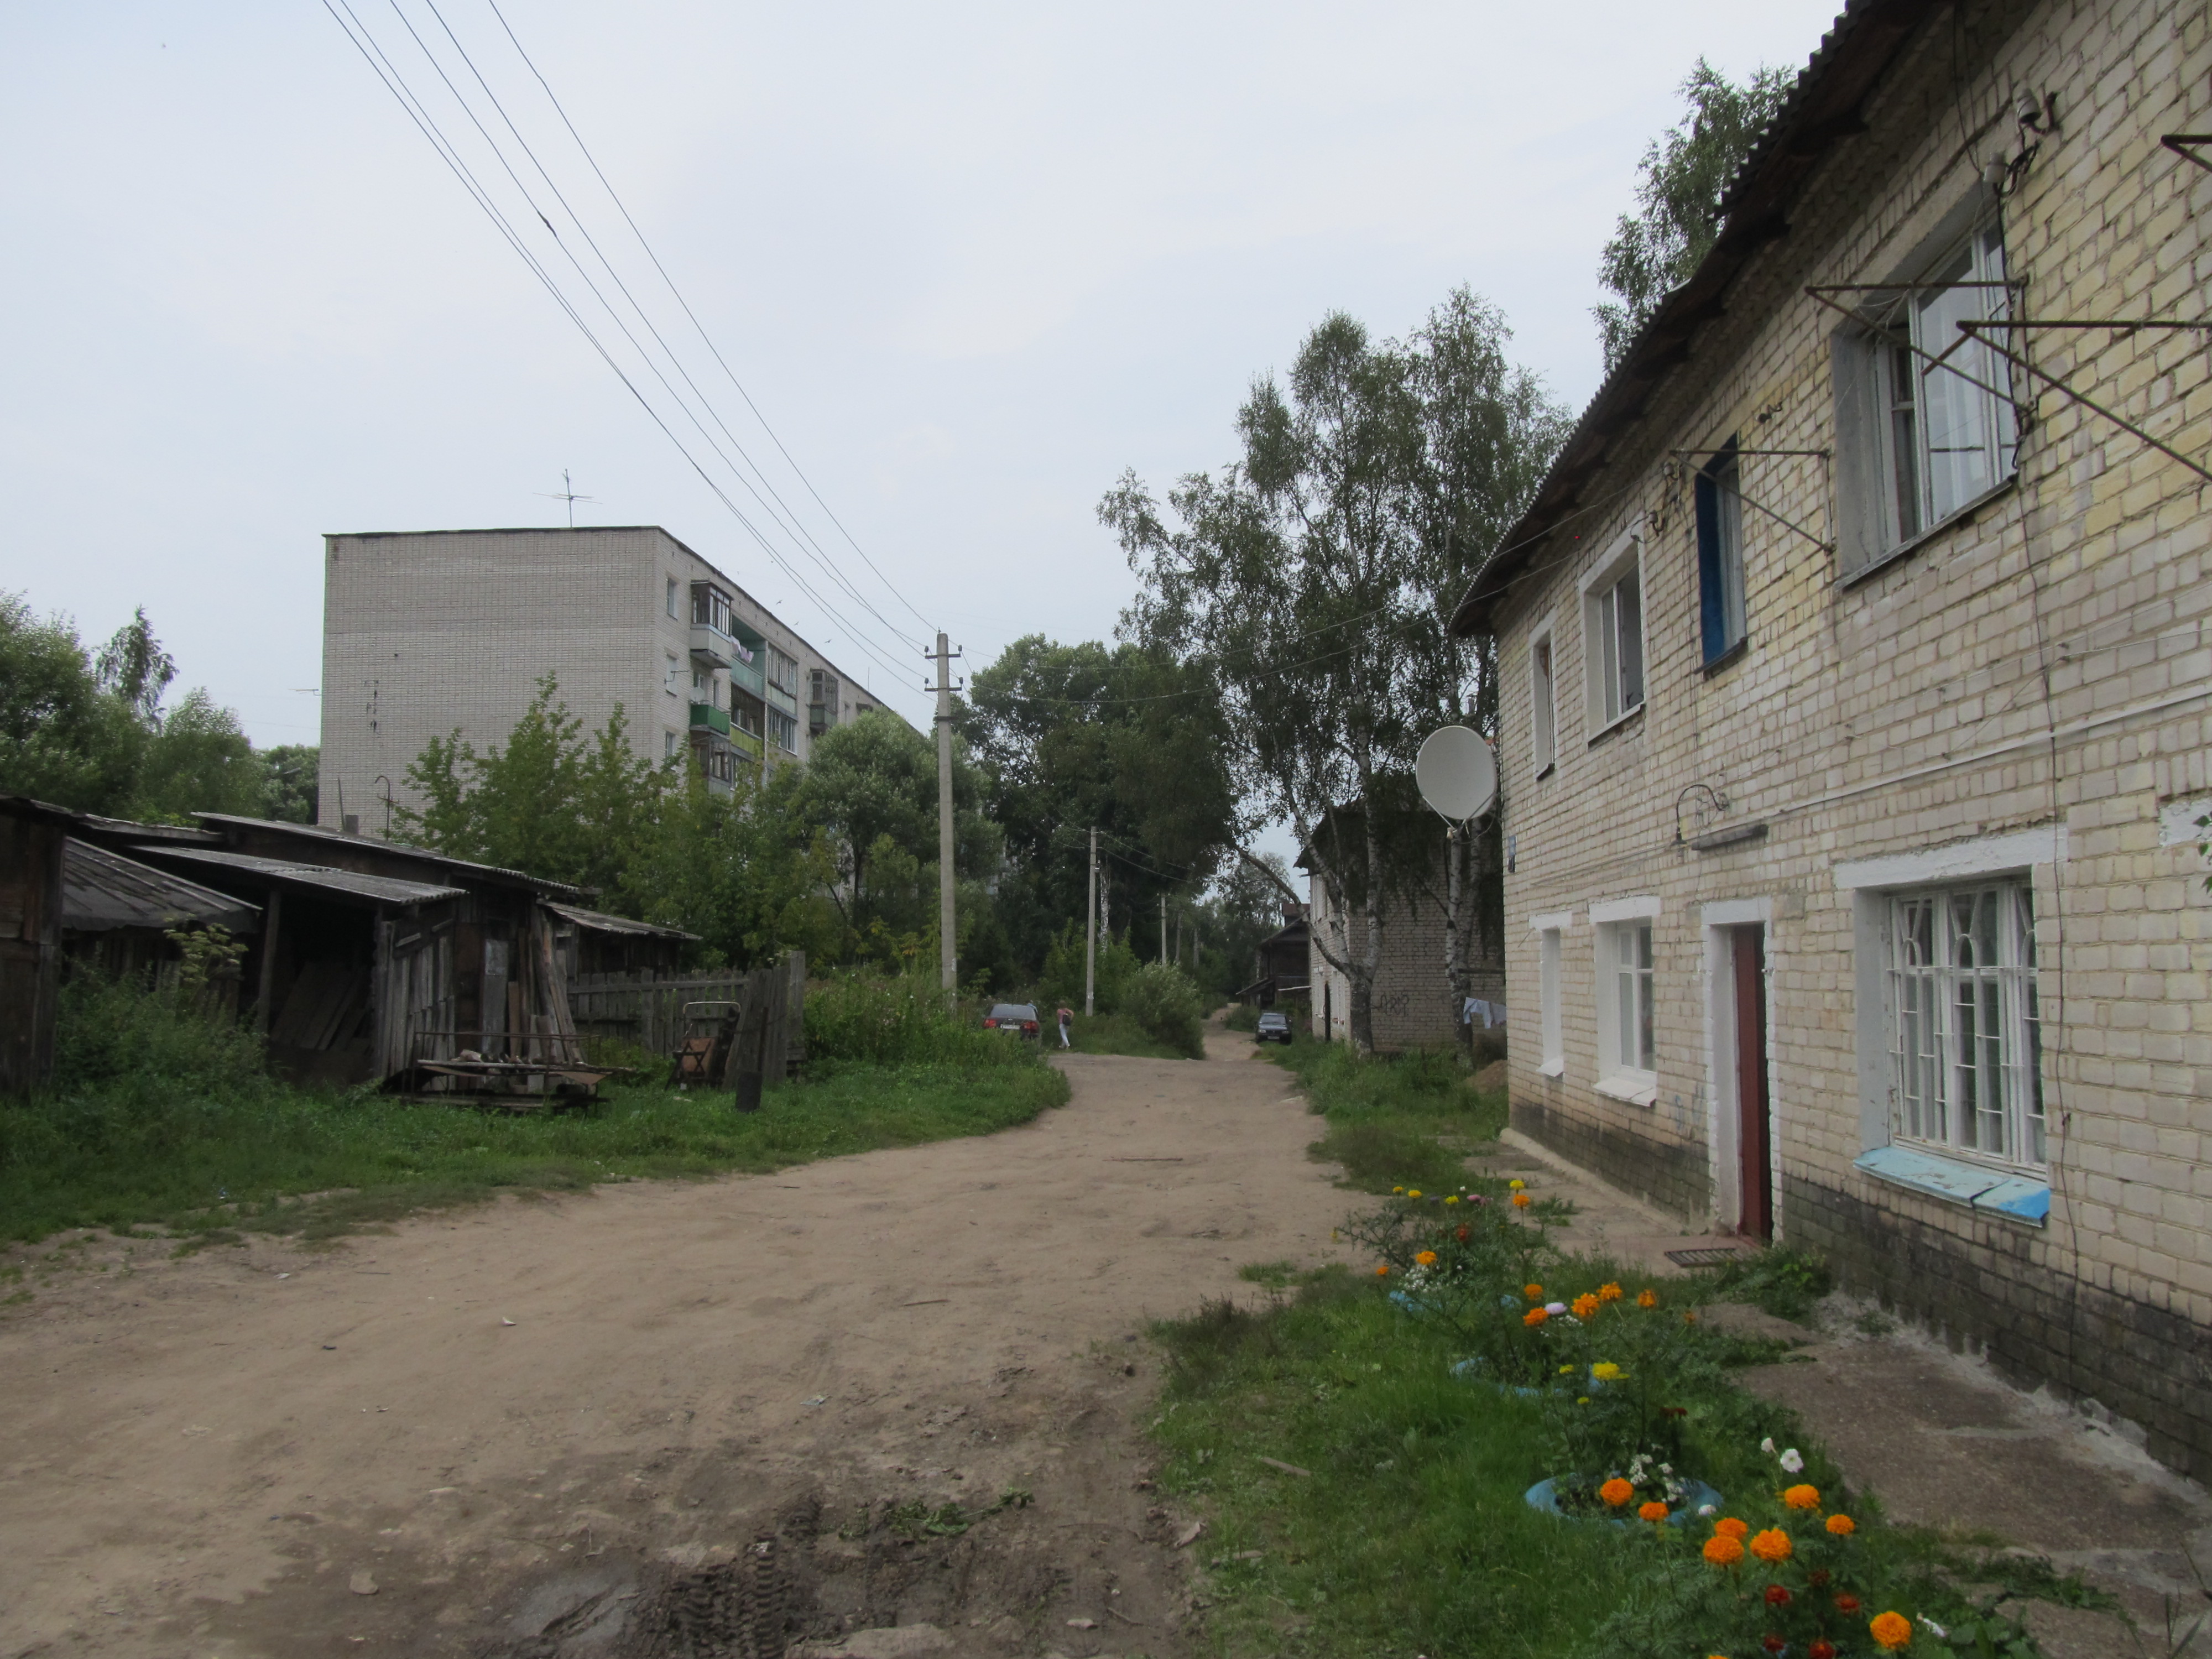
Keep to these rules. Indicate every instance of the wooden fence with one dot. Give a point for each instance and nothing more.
(647, 1009)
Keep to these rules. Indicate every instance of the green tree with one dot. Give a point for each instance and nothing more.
(289, 790)
(1126, 740)
(1684, 178)
(63, 739)
(196, 759)
(1305, 579)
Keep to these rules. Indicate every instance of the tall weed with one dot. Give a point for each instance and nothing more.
(902, 1021)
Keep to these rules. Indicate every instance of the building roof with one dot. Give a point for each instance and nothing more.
(1821, 111)
(342, 884)
(102, 891)
(598, 921)
(462, 867)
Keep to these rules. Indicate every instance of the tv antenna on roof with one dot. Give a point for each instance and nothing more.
(566, 493)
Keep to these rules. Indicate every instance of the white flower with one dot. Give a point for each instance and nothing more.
(1932, 1625)
(1665, 1468)
(1767, 1446)
(1555, 1308)
(1707, 1509)
(1792, 1461)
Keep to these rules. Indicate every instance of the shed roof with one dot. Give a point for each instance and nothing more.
(463, 867)
(598, 921)
(102, 891)
(1822, 110)
(342, 884)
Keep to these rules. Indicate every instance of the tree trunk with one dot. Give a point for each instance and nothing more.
(1457, 887)
(1370, 956)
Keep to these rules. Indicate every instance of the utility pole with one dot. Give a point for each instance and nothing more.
(1164, 928)
(1091, 934)
(948, 936)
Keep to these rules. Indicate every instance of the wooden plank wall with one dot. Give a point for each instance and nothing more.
(30, 948)
(647, 1009)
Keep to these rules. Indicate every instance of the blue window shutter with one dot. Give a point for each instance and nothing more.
(1710, 609)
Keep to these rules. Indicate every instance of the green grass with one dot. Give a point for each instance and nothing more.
(1402, 1119)
(243, 1161)
(1111, 1034)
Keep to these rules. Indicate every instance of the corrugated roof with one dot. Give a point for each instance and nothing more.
(103, 891)
(600, 922)
(381, 889)
(1822, 109)
(396, 849)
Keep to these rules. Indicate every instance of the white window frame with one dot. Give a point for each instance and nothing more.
(672, 676)
(1544, 697)
(1622, 1072)
(1889, 399)
(675, 589)
(669, 740)
(1961, 1022)
(1606, 646)
(1550, 931)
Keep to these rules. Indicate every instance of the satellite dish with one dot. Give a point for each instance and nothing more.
(1457, 774)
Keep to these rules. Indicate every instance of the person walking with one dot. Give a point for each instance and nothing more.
(1067, 1020)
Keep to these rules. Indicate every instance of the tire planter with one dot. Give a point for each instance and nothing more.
(1544, 1496)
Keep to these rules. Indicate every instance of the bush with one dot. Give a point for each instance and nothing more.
(905, 1021)
(1244, 1017)
(1162, 999)
(1062, 978)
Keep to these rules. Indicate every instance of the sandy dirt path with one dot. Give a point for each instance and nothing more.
(709, 1398)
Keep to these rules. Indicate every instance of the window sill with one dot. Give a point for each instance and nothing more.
(1546, 769)
(1729, 657)
(1552, 1068)
(1628, 719)
(1636, 1088)
(1906, 549)
(1971, 1186)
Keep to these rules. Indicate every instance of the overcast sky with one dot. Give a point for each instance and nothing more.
(969, 260)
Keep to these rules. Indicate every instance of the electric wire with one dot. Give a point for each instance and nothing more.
(696, 324)
(364, 41)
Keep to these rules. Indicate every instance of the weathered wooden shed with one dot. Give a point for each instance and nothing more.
(32, 839)
(118, 913)
(594, 942)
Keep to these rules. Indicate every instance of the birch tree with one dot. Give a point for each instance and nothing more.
(1312, 577)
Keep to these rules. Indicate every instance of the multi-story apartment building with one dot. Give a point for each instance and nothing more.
(425, 633)
(1855, 685)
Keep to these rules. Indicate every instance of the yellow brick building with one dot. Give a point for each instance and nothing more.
(1855, 688)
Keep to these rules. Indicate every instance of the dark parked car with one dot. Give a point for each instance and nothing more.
(1015, 1019)
(1273, 1027)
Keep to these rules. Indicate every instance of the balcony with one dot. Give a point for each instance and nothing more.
(711, 646)
(745, 743)
(787, 701)
(705, 717)
(746, 676)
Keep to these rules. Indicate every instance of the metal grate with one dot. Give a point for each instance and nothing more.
(1710, 1256)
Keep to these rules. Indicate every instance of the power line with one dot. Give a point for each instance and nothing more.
(696, 324)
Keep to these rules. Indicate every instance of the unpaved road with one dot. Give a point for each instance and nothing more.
(689, 1438)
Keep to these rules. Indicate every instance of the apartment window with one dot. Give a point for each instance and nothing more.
(782, 671)
(669, 740)
(1965, 1050)
(1627, 998)
(710, 607)
(702, 684)
(1612, 635)
(783, 731)
(672, 679)
(1548, 978)
(1543, 708)
(1720, 553)
(1917, 439)
(674, 608)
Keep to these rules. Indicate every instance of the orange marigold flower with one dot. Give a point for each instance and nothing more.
(1522, 1200)
(1382, 1270)
(1892, 1630)
(1535, 1317)
(1608, 1293)
(1647, 1298)
(1723, 1550)
(1460, 1232)
(1534, 1292)
(1729, 1527)
(1802, 1498)
(1842, 1525)
(1821, 1651)
(1426, 1258)
(1773, 1545)
(1616, 1491)
(1654, 1510)
(1585, 1306)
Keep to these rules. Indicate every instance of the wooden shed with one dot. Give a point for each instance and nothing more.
(33, 835)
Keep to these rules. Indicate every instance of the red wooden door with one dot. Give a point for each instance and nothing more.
(1754, 1138)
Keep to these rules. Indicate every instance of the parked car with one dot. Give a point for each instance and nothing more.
(1018, 1019)
(1273, 1027)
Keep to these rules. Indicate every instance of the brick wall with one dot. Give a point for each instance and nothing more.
(1414, 1004)
(1906, 715)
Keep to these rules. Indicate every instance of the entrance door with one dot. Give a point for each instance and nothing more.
(1754, 1137)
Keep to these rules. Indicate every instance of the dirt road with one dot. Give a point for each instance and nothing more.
(661, 1418)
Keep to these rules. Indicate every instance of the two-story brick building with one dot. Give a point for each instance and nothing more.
(428, 632)
(1855, 686)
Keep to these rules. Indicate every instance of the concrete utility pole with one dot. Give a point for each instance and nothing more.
(1090, 935)
(1164, 928)
(948, 936)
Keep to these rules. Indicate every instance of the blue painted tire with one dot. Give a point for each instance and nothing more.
(1544, 1496)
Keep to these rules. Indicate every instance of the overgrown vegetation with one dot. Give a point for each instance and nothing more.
(162, 1117)
(1392, 1120)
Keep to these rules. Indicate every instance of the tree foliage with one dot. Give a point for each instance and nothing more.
(1305, 579)
(1683, 174)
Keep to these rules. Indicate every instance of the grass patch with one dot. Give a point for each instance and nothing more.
(1411, 1536)
(1393, 1120)
(1113, 1034)
(1782, 1281)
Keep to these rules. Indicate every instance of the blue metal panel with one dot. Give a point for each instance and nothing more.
(2023, 1198)
(1926, 1173)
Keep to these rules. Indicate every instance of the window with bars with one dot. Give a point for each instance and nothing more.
(1964, 1048)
